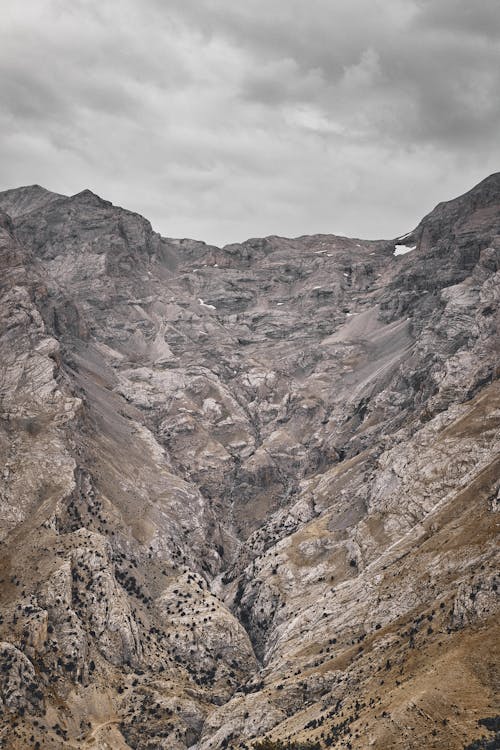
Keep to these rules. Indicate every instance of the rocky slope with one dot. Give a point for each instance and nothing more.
(247, 491)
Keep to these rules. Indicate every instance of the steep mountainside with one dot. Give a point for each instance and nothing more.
(248, 491)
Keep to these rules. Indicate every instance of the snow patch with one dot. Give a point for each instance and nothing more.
(403, 249)
(204, 304)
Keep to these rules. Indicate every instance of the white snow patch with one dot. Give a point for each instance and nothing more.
(403, 249)
(346, 274)
(280, 303)
(204, 304)
(404, 236)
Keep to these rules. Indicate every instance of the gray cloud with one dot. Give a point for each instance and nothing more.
(224, 120)
(451, 16)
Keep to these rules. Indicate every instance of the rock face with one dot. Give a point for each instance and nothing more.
(247, 491)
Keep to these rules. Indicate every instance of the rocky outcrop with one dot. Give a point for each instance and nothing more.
(19, 686)
(247, 491)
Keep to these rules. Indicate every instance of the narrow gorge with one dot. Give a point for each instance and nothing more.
(248, 493)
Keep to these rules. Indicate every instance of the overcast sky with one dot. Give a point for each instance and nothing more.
(227, 119)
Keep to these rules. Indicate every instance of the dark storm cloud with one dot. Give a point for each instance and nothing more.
(224, 120)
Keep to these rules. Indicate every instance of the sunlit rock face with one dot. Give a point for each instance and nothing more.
(248, 491)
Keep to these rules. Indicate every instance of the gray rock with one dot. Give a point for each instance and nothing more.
(247, 490)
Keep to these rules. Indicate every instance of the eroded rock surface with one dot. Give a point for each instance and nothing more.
(247, 491)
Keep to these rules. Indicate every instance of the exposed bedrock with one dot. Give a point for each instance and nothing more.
(248, 491)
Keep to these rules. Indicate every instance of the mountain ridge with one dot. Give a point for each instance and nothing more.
(492, 180)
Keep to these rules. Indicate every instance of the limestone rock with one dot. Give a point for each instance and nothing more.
(247, 491)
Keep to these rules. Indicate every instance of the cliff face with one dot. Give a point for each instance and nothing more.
(247, 491)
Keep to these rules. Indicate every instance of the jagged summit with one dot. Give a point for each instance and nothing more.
(88, 196)
(250, 490)
(22, 200)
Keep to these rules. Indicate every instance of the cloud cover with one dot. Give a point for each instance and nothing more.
(224, 120)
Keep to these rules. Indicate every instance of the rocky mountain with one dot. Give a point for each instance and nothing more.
(248, 493)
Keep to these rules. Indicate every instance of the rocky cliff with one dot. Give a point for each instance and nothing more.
(247, 492)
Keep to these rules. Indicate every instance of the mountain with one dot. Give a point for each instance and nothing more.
(248, 493)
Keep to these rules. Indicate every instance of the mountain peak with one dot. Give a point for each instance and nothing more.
(22, 200)
(88, 196)
(483, 194)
